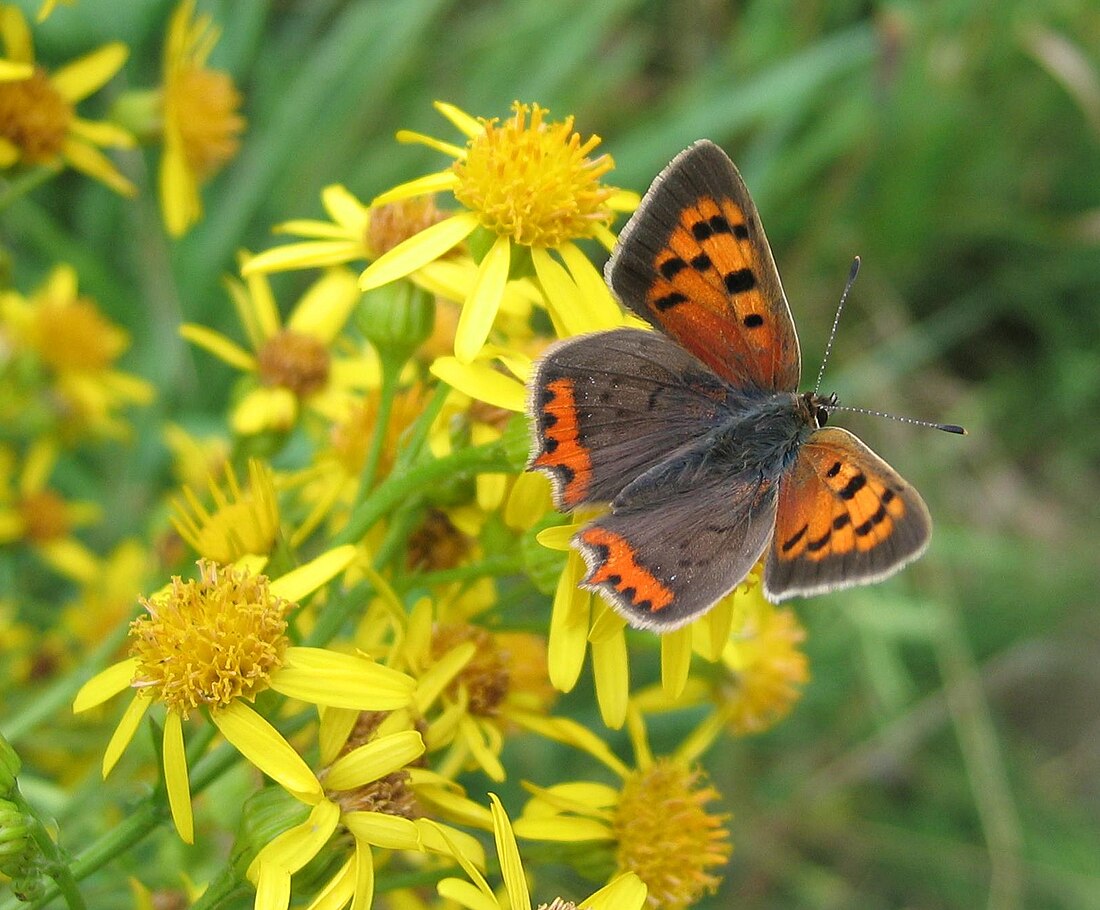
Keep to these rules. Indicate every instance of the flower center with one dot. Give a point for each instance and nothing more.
(204, 105)
(486, 677)
(294, 361)
(211, 640)
(73, 336)
(533, 181)
(666, 835)
(436, 544)
(396, 222)
(45, 516)
(34, 117)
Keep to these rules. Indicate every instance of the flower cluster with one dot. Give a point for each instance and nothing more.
(350, 612)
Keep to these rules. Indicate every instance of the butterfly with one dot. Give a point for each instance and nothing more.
(696, 434)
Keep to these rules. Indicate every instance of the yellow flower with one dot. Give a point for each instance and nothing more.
(531, 185)
(372, 791)
(215, 643)
(469, 683)
(196, 460)
(40, 517)
(677, 860)
(65, 331)
(38, 120)
(202, 125)
(243, 522)
(625, 892)
(290, 365)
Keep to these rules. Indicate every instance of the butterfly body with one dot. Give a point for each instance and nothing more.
(695, 435)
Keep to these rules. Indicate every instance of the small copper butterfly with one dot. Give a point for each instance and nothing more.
(696, 434)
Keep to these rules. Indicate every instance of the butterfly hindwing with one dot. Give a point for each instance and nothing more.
(845, 517)
(664, 565)
(694, 262)
(608, 407)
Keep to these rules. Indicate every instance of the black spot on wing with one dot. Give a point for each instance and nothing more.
(669, 301)
(739, 281)
(857, 483)
(672, 267)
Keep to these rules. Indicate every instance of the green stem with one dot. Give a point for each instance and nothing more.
(391, 369)
(26, 183)
(491, 566)
(391, 492)
(55, 867)
(62, 692)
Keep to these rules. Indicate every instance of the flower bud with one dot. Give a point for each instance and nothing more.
(396, 318)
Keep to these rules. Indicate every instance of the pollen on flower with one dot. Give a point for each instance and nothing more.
(45, 516)
(205, 104)
(486, 677)
(294, 361)
(666, 835)
(209, 640)
(763, 685)
(396, 222)
(533, 181)
(34, 117)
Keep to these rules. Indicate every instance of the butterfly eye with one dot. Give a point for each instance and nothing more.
(822, 417)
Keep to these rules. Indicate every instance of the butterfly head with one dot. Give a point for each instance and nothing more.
(815, 408)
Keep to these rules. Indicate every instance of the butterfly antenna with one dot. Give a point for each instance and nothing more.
(946, 427)
(836, 321)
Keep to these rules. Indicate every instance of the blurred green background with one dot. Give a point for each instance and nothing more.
(947, 751)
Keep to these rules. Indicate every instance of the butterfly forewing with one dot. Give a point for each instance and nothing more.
(608, 407)
(694, 262)
(845, 517)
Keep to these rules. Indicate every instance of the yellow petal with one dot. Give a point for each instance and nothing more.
(600, 309)
(418, 250)
(675, 661)
(296, 846)
(562, 829)
(569, 619)
(87, 158)
(422, 186)
(124, 732)
(481, 381)
(105, 684)
(311, 254)
(623, 201)
(447, 148)
(442, 673)
(272, 888)
(217, 344)
(345, 209)
(379, 829)
(364, 877)
(180, 204)
(563, 297)
(341, 681)
(326, 305)
(511, 866)
(307, 578)
(310, 227)
(85, 75)
(627, 892)
(15, 72)
(466, 124)
(175, 777)
(557, 538)
(611, 668)
(72, 559)
(450, 841)
(100, 132)
(564, 730)
(16, 35)
(264, 746)
(265, 408)
(338, 890)
(578, 797)
(375, 759)
(466, 895)
(480, 308)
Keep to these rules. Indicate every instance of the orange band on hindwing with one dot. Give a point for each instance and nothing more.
(562, 451)
(614, 564)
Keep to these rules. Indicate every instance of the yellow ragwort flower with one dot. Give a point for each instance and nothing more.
(372, 791)
(38, 120)
(242, 523)
(625, 892)
(65, 331)
(529, 183)
(679, 861)
(291, 365)
(214, 643)
(33, 513)
(202, 126)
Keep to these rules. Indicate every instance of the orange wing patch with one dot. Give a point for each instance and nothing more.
(611, 562)
(562, 453)
(709, 285)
